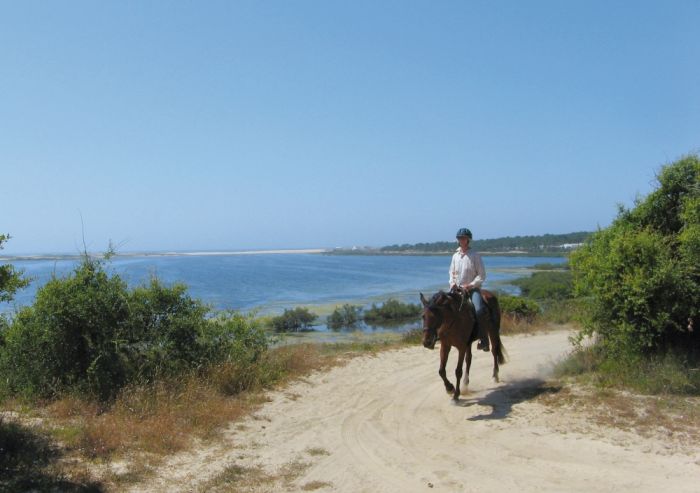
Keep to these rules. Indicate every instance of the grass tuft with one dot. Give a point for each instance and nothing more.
(317, 451)
(316, 485)
(667, 374)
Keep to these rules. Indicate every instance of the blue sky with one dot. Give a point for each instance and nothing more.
(235, 125)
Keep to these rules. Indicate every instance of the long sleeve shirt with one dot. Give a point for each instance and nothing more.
(467, 269)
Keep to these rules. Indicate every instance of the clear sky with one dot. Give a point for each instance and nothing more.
(196, 125)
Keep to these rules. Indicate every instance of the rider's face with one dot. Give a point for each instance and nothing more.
(463, 242)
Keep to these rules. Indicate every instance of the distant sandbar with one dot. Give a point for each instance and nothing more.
(165, 254)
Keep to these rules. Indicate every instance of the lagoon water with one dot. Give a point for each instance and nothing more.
(272, 282)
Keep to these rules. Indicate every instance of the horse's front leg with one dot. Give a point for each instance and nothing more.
(458, 374)
(444, 353)
(469, 365)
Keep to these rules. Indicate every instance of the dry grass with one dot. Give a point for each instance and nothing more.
(315, 485)
(162, 418)
(146, 423)
(512, 324)
(675, 418)
(317, 451)
(236, 478)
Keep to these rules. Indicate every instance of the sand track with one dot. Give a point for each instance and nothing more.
(385, 424)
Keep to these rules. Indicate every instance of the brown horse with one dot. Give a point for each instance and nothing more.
(450, 317)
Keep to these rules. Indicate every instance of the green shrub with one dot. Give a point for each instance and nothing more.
(344, 316)
(518, 307)
(639, 277)
(232, 336)
(90, 334)
(546, 285)
(71, 337)
(294, 320)
(11, 279)
(392, 310)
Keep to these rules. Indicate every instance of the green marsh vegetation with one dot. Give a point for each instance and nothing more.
(345, 316)
(348, 316)
(390, 312)
(294, 320)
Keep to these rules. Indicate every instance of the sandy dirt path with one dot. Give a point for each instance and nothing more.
(385, 424)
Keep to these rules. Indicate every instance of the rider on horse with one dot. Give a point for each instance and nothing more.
(467, 272)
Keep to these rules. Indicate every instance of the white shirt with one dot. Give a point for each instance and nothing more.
(467, 269)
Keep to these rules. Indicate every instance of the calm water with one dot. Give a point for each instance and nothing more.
(272, 282)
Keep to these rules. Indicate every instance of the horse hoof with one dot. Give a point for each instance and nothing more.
(450, 389)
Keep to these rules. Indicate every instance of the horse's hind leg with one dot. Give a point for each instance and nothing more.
(494, 351)
(444, 353)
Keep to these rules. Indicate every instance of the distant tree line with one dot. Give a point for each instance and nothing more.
(530, 244)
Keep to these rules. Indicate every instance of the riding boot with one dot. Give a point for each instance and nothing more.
(483, 323)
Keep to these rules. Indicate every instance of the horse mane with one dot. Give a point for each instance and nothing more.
(440, 295)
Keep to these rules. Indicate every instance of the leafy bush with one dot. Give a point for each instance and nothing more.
(392, 310)
(165, 333)
(640, 276)
(71, 337)
(294, 320)
(89, 333)
(10, 278)
(232, 336)
(344, 316)
(546, 285)
(518, 307)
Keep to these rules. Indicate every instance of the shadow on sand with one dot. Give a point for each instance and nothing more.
(502, 399)
(27, 463)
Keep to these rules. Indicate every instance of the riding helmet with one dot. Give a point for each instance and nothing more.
(464, 232)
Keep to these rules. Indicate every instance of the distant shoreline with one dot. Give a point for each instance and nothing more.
(8, 258)
(315, 251)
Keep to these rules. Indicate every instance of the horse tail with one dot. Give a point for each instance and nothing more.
(501, 353)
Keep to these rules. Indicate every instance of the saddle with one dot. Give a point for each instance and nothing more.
(482, 321)
(464, 297)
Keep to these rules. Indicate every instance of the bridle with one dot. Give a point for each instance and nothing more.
(433, 331)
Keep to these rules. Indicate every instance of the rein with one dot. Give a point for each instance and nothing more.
(463, 296)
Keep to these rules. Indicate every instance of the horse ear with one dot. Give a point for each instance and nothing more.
(423, 300)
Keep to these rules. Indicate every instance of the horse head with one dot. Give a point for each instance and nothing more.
(433, 317)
